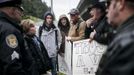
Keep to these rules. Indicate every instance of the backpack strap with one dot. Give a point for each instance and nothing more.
(56, 42)
(56, 39)
(40, 31)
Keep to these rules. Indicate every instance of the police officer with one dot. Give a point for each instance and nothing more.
(119, 57)
(11, 39)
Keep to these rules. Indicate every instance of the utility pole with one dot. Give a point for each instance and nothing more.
(51, 6)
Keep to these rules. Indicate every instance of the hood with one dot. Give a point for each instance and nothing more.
(48, 13)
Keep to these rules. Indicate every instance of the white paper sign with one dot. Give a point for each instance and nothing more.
(86, 57)
(68, 56)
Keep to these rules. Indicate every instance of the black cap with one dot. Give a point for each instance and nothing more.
(11, 3)
(98, 5)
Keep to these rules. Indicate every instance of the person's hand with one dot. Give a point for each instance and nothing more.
(89, 22)
(92, 34)
(68, 38)
(90, 40)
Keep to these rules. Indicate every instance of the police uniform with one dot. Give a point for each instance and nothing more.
(11, 44)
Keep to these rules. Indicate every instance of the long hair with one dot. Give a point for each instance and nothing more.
(62, 27)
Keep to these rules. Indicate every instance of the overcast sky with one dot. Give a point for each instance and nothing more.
(62, 6)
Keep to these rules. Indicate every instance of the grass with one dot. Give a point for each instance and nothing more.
(60, 73)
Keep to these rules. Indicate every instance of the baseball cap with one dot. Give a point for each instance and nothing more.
(73, 11)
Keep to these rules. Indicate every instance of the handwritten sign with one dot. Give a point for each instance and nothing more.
(84, 57)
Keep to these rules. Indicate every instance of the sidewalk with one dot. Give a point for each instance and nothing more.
(49, 73)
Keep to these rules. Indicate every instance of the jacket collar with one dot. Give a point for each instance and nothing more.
(126, 24)
(45, 27)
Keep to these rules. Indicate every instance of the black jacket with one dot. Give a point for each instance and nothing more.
(104, 32)
(119, 57)
(93, 26)
(11, 46)
(39, 53)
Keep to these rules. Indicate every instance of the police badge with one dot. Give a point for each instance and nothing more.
(12, 41)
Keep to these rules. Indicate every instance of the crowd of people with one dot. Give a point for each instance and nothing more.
(22, 52)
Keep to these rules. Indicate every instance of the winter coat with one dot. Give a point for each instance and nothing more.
(48, 37)
(93, 27)
(39, 54)
(77, 32)
(11, 47)
(104, 32)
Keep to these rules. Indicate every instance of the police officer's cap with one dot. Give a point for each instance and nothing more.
(11, 3)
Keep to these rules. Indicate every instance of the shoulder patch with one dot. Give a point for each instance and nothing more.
(14, 55)
(12, 41)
